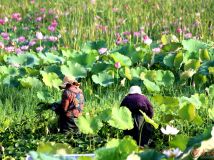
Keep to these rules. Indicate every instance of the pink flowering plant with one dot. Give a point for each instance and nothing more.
(33, 31)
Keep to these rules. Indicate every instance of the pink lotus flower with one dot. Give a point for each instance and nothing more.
(125, 41)
(137, 34)
(147, 40)
(9, 49)
(156, 50)
(14, 28)
(117, 65)
(53, 38)
(2, 22)
(1, 45)
(39, 49)
(54, 23)
(127, 33)
(32, 1)
(18, 51)
(16, 16)
(24, 48)
(93, 1)
(32, 43)
(21, 39)
(42, 10)
(5, 36)
(51, 11)
(102, 50)
(39, 35)
(179, 30)
(38, 19)
(115, 9)
(51, 28)
(188, 35)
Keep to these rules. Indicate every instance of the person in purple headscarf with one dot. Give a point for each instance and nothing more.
(136, 101)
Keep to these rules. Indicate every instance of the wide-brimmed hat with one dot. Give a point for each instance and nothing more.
(135, 90)
(69, 80)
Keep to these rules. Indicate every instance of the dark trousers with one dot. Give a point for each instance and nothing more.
(66, 123)
(141, 132)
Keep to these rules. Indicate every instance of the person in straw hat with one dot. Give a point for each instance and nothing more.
(136, 101)
(72, 104)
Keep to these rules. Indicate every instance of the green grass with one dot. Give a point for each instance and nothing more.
(78, 19)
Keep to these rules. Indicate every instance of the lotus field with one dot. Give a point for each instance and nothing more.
(165, 47)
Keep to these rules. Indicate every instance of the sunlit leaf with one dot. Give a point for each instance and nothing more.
(192, 45)
(103, 79)
(54, 148)
(179, 141)
(192, 64)
(149, 120)
(178, 60)
(73, 70)
(30, 82)
(51, 80)
(121, 118)
(151, 86)
(89, 125)
(204, 55)
(124, 60)
(187, 112)
(169, 60)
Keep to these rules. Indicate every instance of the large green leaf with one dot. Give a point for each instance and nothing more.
(74, 70)
(116, 149)
(194, 99)
(171, 102)
(7, 70)
(28, 59)
(211, 91)
(103, 79)
(86, 60)
(99, 67)
(50, 58)
(178, 60)
(192, 64)
(95, 45)
(204, 55)
(169, 60)
(211, 113)
(51, 79)
(204, 68)
(45, 96)
(187, 112)
(54, 148)
(121, 118)
(151, 86)
(192, 45)
(30, 82)
(151, 154)
(168, 78)
(89, 125)
(179, 141)
(124, 60)
(171, 46)
(149, 120)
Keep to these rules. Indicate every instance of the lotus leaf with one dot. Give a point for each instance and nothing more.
(103, 79)
(121, 118)
(192, 45)
(74, 70)
(89, 125)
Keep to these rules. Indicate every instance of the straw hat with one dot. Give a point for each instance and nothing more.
(69, 80)
(135, 90)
